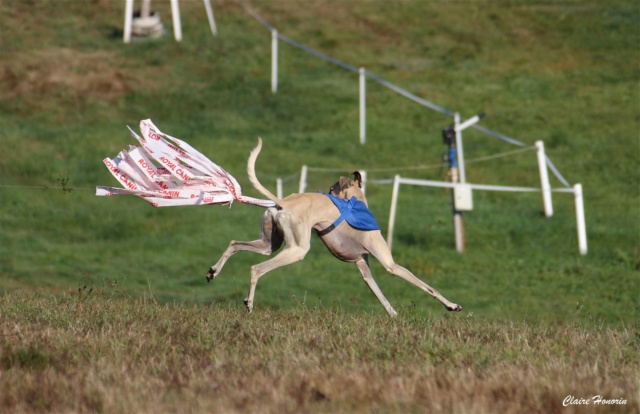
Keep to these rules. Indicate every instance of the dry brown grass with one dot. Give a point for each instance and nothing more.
(44, 72)
(89, 352)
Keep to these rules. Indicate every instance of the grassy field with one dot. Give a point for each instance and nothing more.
(93, 351)
(563, 72)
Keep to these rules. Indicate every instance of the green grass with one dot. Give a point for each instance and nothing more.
(565, 73)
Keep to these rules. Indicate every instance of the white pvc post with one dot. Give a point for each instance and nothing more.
(544, 179)
(362, 106)
(128, 20)
(458, 129)
(458, 225)
(145, 9)
(175, 14)
(580, 221)
(212, 21)
(279, 188)
(458, 222)
(392, 212)
(274, 60)
(364, 181)
(303, 179)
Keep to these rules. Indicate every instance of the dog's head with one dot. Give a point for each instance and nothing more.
(347, 188)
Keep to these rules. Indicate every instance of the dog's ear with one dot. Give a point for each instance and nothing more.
(340, 186)
(357, 177)
(345, 182)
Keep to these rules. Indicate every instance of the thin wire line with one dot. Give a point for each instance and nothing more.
(44, 187)
(503, 154)
(428, 166)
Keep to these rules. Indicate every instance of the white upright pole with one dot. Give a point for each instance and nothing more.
(363, 98)
(128, 20)
(458, 129)
(458, 222)
(212, 21)
(458, 226)
(145, 9)
(175, 14)
(279, 188)
(364, 181)
(303, 179)
(544, 180)
(580, 221)
(392, 212)
(274, 60)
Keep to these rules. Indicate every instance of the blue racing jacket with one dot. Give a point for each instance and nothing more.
(355, 212)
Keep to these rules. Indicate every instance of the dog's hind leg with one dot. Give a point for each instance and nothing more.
(382, 253)
(297, 244)
(270, 241)
(365, 270)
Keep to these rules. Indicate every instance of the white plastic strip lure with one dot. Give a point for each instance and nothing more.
(166, 171)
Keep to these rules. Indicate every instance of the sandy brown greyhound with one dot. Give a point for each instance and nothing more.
(292, 222)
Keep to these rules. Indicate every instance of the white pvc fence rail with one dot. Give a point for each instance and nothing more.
(545, 189)
(576, 190)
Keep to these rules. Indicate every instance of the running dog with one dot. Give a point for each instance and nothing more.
(292, 221)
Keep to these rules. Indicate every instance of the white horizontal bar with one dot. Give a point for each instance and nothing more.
(429, 183)
(466, 124)
(386, 181)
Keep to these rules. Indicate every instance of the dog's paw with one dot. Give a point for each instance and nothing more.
(455, 308)
(211, 274)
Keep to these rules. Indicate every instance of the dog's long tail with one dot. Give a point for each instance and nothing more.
(251, 170)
